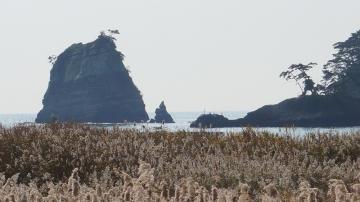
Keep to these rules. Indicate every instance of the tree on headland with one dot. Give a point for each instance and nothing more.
(341, 75)
(110, 33)
(344, 67)
(52, 59)
(113, 31)
(298, 72)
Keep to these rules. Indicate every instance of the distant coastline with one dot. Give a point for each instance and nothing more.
(183, 124)
(179, 117)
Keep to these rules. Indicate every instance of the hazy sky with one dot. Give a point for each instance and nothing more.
(194, 54)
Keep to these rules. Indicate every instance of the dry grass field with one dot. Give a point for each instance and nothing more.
(73, 162)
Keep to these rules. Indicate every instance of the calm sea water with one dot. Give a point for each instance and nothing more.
(183, 120)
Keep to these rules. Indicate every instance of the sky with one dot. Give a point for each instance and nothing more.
(195, 55)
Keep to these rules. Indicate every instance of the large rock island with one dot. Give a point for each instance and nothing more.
(89, 83)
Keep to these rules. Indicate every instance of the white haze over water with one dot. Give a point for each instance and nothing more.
(183, 120)
(194, 54)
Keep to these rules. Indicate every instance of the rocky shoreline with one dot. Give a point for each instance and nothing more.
(305, 111)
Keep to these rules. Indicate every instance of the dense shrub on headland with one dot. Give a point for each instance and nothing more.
(70, 162)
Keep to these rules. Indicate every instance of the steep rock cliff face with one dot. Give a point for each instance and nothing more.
(89, 83)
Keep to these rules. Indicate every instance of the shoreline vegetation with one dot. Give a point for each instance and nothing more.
(334, 101)
(78, 162)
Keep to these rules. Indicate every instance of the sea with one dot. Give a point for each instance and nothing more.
(183, 120)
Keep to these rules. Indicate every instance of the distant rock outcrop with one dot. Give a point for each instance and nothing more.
(212, 121)
(162, 115)
(89, 83)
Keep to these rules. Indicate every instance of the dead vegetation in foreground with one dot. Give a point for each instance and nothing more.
(72, 162)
